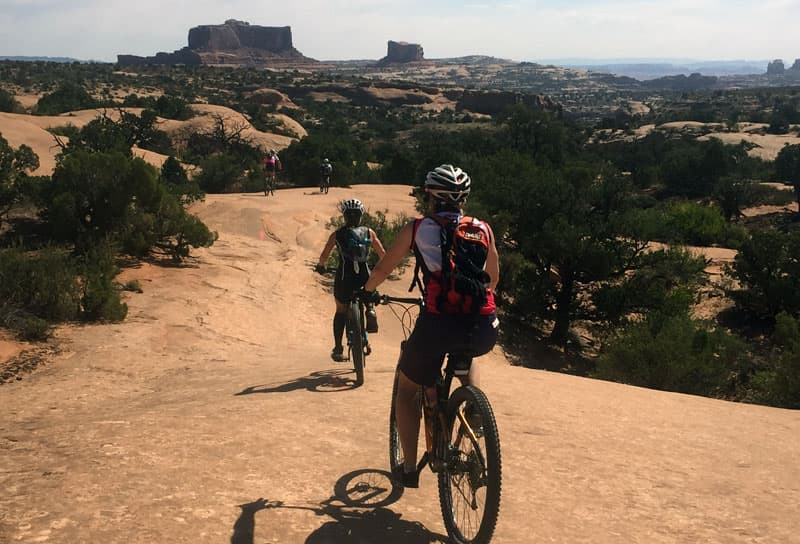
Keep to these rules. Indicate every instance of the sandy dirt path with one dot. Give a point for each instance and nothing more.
(214, 414)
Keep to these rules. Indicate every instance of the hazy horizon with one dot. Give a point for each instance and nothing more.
(520, 30)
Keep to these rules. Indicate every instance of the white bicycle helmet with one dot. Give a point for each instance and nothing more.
(352, 205)
(448, 183)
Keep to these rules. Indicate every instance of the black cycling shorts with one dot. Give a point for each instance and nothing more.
(344, 287)
(436, 335)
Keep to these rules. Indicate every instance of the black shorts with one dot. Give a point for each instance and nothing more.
(436, 335)
(345, 286)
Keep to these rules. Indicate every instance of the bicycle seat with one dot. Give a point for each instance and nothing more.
(458, 363)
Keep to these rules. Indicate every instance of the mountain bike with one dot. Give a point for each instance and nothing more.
(462, 445)
(358, 347)
(325, 183)
(269, 183)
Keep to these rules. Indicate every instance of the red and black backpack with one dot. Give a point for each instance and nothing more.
(462, 285)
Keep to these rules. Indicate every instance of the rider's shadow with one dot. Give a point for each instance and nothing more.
(322, 381)
(358, 512)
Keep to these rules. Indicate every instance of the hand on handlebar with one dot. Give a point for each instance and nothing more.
(369, 297)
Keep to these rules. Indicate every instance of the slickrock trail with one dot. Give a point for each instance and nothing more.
(213, 413)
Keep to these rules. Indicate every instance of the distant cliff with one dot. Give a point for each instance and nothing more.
(402, 52)
(234, 42)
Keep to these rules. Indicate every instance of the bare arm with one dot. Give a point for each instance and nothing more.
(376, 243)
(492, 262)
(393, 257)
(323, 258)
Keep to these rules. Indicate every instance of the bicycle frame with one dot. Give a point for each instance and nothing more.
(467, 460)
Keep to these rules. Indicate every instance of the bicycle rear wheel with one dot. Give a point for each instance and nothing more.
(469, 485)
(357, 342)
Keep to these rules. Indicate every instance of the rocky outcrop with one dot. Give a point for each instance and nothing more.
(681, 82)
(402, 52)
(182, 56)
(235, 42)
(775, 68)
(238, 35)
(495, 102)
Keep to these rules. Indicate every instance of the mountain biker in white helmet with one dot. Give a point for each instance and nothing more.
(436, 332)
(353, 242)
(326, 169)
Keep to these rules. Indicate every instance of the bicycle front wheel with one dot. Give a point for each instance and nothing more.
(469, 485)
(357, 343)
(395, 453)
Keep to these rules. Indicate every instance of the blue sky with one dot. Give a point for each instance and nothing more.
(359, 29)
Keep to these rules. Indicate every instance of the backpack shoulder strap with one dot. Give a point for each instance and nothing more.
(415, 281)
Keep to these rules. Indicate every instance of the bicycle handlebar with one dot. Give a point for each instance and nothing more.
(386, 299)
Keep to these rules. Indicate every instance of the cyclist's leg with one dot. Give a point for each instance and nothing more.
(341, 297)
(408, 418)
(420, 363)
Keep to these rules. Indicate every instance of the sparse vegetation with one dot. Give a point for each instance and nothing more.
(574, 208)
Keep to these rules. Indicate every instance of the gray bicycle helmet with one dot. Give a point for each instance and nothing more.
(448, 183)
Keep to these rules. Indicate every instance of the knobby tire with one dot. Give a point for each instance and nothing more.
(472, 474)
(395, 453)
(357, 343)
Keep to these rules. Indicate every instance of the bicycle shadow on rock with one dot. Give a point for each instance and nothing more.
(322, 381)
(359, 513)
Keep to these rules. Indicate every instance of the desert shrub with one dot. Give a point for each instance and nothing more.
(100, 297)
(69, 130)
(787, 167)
(779, 384)
(14, 180)
(175, 231)
(768, 273)
(652, 285)
(760, 195)
(8, 103)
(673, 352)
(684, 222)
(91, 195)
(174, 177)
(220, 173)
(68, 97)
(109, 196)
(42, 283)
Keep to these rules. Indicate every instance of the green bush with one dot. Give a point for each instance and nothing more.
(8, 103)
(768, 272)
(100, 297)
(220, 173)
(779, 385)
(43, 283)
(673, 353)
(68, 97)
(684, 222)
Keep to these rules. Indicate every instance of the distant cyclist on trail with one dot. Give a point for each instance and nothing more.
(325, 171)
(271, 164)
(451, 321)
(353, 242)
